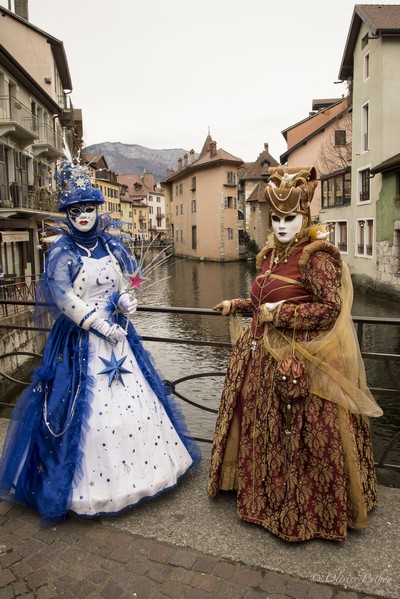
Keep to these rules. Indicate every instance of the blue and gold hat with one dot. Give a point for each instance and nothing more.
(74, 185)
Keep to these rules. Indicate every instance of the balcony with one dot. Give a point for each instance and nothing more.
(50, 143)
(17, 121)
(27, 197)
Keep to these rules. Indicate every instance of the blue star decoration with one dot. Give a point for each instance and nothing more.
(114, 368)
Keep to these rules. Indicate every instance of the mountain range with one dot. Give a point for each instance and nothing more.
(126, 159)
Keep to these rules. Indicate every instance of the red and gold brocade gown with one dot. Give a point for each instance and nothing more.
(312, 474)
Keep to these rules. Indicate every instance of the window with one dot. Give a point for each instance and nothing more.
(336, 190)
(231, 178)
(364, 177)
(366, 66)
(193, 184)
(158, 199)
(181, 208)
(229, 202)
(340, 138)
(365, 128)
(150, 209)
(194, 237)
(365, 237)
(177, 235)
(193, 206)
(177, 209)
(230, 233)
(338, 234)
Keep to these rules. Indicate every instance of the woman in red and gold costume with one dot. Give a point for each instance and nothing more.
(292, 436)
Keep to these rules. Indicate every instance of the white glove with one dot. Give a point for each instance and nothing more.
(112, 332)
(126, 304)
(271, 306)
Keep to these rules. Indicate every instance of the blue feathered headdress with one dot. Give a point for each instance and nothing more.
(74, 185)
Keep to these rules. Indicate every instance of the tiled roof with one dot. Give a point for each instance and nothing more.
(259, 168)
(380, 18)
(219, 155)
(258, 195)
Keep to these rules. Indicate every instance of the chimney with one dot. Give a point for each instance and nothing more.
(213, 149)
(191, 156)
(21, 9)
(185, 160)
(265, 147)
(179, 164)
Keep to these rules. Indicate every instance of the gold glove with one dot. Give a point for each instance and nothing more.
(224, 306)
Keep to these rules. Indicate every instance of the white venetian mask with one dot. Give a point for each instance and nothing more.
(83, 216)
(286, 228)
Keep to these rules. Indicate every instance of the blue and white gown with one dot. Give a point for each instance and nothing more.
(81, 439)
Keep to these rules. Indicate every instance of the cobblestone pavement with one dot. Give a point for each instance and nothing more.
(85, 559)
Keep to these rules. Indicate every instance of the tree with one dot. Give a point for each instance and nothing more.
(335, 153)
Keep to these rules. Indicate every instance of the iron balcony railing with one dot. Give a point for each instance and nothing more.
(390, 361)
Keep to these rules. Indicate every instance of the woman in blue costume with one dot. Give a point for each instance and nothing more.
(97, 431)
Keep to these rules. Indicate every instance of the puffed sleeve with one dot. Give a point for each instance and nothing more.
(60, 276)
(322, 279)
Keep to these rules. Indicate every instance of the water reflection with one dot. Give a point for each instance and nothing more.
(189, 283)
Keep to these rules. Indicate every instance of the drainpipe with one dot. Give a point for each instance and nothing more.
(21, 8)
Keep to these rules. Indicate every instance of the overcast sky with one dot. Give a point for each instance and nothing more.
(159, 73)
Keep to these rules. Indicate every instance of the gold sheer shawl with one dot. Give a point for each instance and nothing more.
(334, 366)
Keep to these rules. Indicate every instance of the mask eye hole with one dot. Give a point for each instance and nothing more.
(275, 218)
(288, 219)
(75, 211)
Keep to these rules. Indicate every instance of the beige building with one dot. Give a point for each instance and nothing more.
(371, 61)
(202, 204)
(35, 115)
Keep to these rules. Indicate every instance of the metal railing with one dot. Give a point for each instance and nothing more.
(389, 360)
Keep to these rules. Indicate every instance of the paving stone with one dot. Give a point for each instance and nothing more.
(224, 570)
(172, 589)
(45, 593)
(297, 589)
(346, 595)
(273, 582)
(247, 576)
(111, 591)
(182, 575)
(159, 572)
(230, 590)
(205, 581)
(191, 593)
(162, 553)
(183, 557)
(319, 591)
(37, 579)
(138, 564)
(205, 564)
(6, 577)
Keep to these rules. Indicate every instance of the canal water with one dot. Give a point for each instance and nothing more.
(193, 284)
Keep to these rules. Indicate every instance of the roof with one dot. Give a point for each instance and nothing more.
(259, 168)
(258, 195)
(335, 102)
(381, 19)
(208, 156)
(323, 126)
(57, 48)
(391, 164)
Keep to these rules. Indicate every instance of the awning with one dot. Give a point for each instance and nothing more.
(14, 236)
